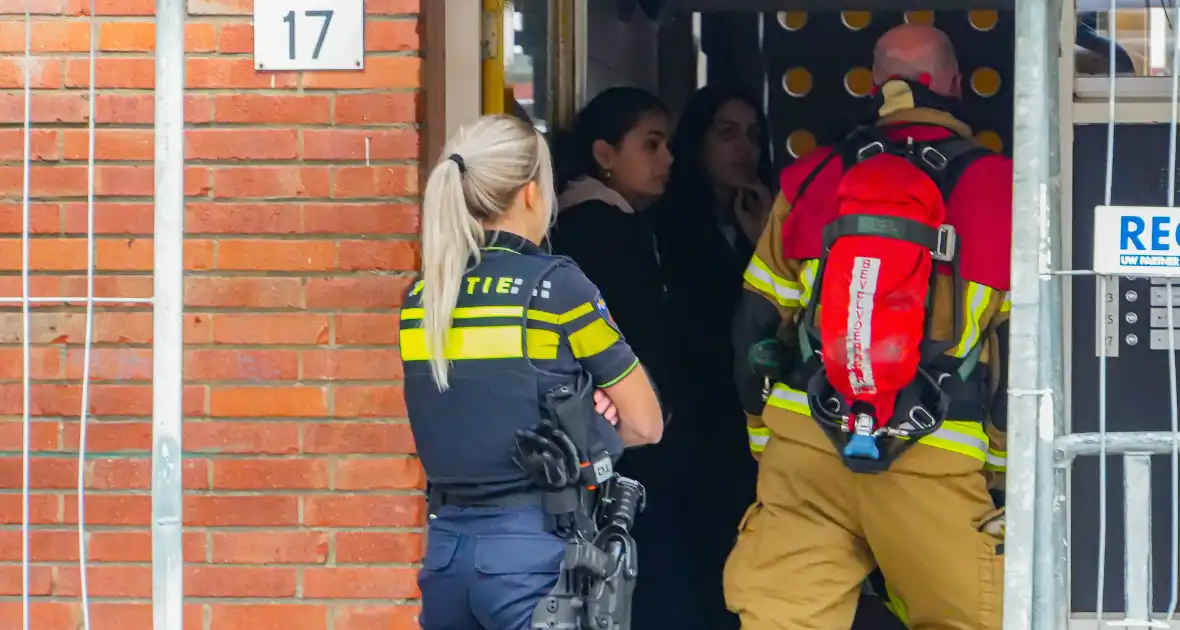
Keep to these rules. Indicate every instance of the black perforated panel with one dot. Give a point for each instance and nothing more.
(825, 48)
(830, 5)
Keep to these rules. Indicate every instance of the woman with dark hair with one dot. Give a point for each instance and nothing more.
(612, 165)
(717, 203)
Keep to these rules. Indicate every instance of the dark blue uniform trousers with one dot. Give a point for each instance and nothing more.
(486, 567)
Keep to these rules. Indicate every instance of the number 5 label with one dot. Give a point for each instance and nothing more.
(309, 34)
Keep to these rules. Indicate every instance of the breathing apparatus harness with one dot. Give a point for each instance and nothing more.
(943, 386)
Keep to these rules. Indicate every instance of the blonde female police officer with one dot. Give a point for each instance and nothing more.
(515, 323)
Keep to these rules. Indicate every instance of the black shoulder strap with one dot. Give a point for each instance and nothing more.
(807, 181)
(866, 142)
(946, 160)
(857, 146)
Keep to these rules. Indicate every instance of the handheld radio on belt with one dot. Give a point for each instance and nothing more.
(591, 507)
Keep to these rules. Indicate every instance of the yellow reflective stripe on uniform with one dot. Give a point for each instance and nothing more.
(572, 314)
(895, 605)
(542, 344)
(759, 275)
(1006, 305)
(478, 312)
(958, 436)
(469, 342)
(976, 299)
(996, 460)
(504, 342)
(784, 397)
(759, 438)
(467, 313)
(482, 342)
(807, 279)
(596, 337)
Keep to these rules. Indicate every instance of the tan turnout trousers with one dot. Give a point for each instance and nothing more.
(818, 529)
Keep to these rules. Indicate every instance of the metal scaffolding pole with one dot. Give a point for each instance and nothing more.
(167, 347)
(1051, 593)
(1036, 414)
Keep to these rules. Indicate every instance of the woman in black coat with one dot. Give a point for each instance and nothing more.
(611, 167)
(717, 202)
(713, 213)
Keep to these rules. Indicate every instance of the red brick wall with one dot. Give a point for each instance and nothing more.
(302, 507)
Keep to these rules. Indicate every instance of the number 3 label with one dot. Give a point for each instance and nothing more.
(309, 34)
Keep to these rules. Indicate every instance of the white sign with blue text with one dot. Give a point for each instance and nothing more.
(1137, 241)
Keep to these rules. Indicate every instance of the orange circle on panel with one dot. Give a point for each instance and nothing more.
(797, 82)
(919, 17)
(985, 82)
(983, 20)
(800, 143)
(856, 20)
(858, 81)
(792, 20)
(990, 140)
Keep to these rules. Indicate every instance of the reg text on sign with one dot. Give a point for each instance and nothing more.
(1137, 241)
(303, 35)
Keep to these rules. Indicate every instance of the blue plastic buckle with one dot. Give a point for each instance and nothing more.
(863, 443)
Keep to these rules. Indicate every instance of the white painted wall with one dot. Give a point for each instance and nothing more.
(619, 53)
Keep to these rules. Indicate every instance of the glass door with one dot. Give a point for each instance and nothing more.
(530, 59)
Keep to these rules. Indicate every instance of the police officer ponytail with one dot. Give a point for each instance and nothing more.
(481, 170)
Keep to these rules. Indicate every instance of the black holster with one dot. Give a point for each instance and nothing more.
(591, 507)
(597, 579)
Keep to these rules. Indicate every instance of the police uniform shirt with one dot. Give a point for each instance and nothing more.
(465, 435)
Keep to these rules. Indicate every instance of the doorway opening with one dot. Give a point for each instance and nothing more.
(810, 70)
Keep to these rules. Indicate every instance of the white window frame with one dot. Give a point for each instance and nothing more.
(462, 62)
(1141, 100)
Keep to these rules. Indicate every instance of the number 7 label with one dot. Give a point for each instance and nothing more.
(293, 35)
(309, 35)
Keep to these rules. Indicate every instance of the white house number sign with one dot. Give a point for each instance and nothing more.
(309, 34)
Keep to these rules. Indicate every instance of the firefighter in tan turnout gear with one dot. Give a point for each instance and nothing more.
(827, 515)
